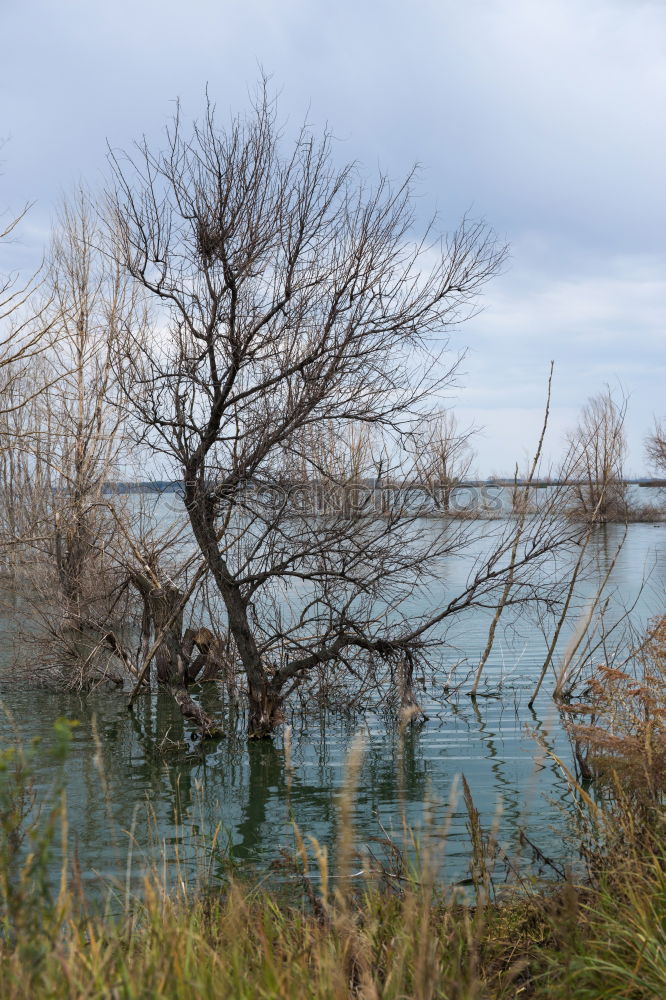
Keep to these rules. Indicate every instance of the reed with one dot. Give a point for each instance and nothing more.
(332, 933)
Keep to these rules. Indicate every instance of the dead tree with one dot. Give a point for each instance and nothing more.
(177, 668)
(23, 326)
(77, 542)
(598, 448)
(655, 447)
(24, 335)
(91, 301)
(443, 455)
(331, 467)
(293, 296)
(67, 444)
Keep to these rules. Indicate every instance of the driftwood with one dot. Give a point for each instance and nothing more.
(175, 666)
(193, 711)
(409, 706)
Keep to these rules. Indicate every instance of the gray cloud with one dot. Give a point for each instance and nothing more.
(544, 116)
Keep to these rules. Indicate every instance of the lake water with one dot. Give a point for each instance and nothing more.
(118, 781)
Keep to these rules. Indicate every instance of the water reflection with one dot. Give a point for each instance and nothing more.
(142, 771)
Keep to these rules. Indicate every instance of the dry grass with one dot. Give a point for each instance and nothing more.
(378, 938)
(625, 737)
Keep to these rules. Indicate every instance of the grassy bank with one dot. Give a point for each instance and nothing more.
(606, 940)
(394, 932)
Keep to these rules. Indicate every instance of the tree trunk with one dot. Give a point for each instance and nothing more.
(409, 706)
(264, 699)
(193, 711)
(175, 669)
(265, 704)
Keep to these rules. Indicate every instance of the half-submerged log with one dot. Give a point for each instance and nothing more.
(164, 607)
(410, 710)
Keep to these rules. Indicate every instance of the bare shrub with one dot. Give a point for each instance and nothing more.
(625, 738)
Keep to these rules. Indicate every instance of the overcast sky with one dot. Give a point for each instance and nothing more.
(546, 117)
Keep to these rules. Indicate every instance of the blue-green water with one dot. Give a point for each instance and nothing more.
(119, 781)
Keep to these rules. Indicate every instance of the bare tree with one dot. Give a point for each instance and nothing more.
(24, 335)
(655, 447)
(596, 461)
(443, 455)
(92, 301)
(24, 328)
(66, 443)
(293, 298)
(21, 336)
(331, 466)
